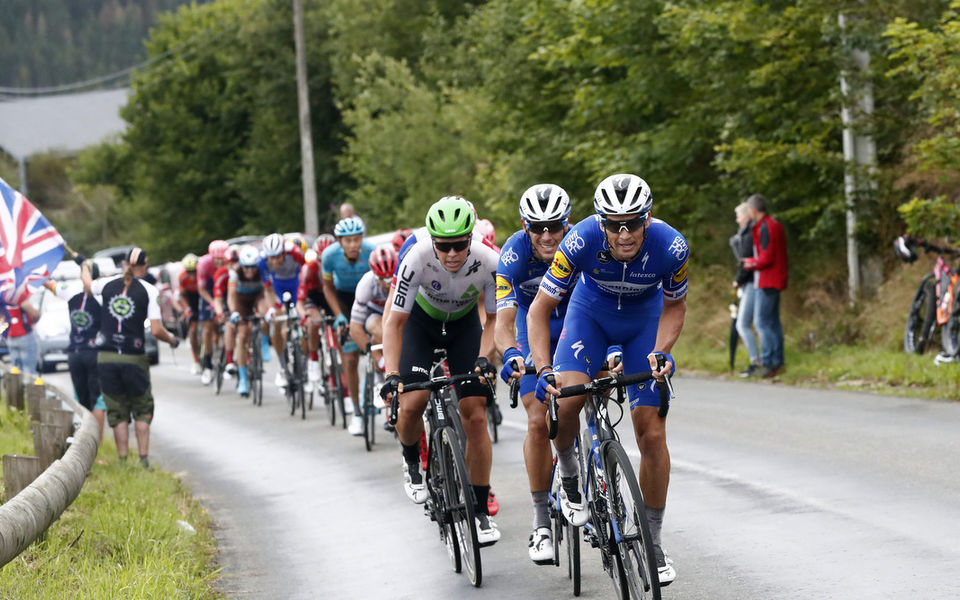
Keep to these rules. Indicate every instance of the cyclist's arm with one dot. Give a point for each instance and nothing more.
(232, 297)
(487, 346)
(330, 293)
(505, 332)
(538, 328)
(393, 340)
(671, 323)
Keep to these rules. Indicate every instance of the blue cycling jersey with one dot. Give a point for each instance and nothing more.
(659, 267)
(518, 278)
(345, 274)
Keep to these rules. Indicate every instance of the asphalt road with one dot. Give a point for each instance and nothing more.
(776, 492)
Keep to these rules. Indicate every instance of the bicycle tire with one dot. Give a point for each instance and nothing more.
(492, 422)
(326, 369)
(628, 519)
(300, 376)
(573, 556)
(922, 317)
(437, 503)
(457, 482)
(368, 411)
(339, 390)
(221, 353)
(289, 391)
(950, 332)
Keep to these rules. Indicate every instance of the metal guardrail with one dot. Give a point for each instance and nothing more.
(27, 515)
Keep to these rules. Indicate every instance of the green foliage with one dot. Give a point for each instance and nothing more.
(120, 538)
(52, 42)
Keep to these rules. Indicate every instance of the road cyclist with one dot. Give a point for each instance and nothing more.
(207, 267)
(279, 266)
(188, 303)
(343, 265)
(312, 305)
(633, 283)
(437, 285)
(245, 299)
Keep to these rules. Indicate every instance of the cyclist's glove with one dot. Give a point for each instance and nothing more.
(486, 367)
(510, 364)
(668, 357)
(234, 317)
(79, 258)
(340, 321)
(614, 356)
(175, 342)
(390, 386)
(546, 378)
(268, 316)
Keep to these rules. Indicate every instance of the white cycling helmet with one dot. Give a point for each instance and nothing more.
(544, 202)
(249, 256)
(623, 194)
(272, 245)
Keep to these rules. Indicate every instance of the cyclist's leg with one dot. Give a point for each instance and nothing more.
(537, 454)
(229, 341)
(374, 328)
(580, 354)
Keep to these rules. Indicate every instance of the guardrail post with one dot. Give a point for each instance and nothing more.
(49, 442)
(19, 471)
(13, 389)
(36, 395)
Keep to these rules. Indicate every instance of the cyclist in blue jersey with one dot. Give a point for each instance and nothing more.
(632, 272)
(343, 265)
(525, 257)
(280, 272)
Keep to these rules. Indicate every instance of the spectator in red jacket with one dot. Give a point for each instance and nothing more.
(769, 264)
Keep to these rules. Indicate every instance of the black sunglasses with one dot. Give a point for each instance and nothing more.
(630, 224)
(548, 226)
(459, 246)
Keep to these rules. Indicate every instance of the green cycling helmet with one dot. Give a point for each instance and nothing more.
(451, 216)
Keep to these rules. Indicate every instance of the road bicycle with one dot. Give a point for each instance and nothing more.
(618, 523)
(372, 380)
(935, 303)
(295, 370)
(450, 501)
(219, 358)
(331, 371)
(255, 363)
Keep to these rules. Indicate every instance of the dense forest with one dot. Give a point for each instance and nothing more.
(56, 42)
(708, 100)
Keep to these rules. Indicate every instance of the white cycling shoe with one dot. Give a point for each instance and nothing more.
(540, 547)
(280, 380)
(206, 377)
(487, 531)
(574, 510)
(356, 425)
(413, 484)
(313, 371)
(665, 570)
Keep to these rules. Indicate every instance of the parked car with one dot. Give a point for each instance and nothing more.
(117, 254)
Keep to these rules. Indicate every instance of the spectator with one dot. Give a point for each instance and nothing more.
(21, 341)
(82, 351)
(770, 277)
(347, 210)
(127, 301)
(742, 245)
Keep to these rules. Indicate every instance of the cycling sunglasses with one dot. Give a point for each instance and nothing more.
(630, 225)
(444, 247)
(539, 227)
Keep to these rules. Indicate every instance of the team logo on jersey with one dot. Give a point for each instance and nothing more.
(471, 293)
(509, 257)
(560, 268)
(574, 242)
(435, 285)
(81, 319)
(474, 267)
(604, 257)
(503, 288)
(121, 307)
(682, 273)
(678, 248)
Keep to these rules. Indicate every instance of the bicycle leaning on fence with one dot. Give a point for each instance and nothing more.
(936, 303)
(618, 524)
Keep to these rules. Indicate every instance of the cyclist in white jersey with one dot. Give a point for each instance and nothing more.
(438, 283)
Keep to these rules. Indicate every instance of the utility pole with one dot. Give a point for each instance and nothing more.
(310, 220)
(859, 153)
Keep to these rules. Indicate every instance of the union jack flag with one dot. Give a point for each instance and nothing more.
(30, 248)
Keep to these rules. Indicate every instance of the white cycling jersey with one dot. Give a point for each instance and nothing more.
(370, 298)
(422, 279)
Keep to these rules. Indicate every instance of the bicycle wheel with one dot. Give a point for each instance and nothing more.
(368, 411)
(631, 533)
(493, 419)
(253, 372)
(336, 375)
(437, 503)
(459, 493)
(573, 556)
(221, 358)
(921, 320)
(300, 376)
(950, 333)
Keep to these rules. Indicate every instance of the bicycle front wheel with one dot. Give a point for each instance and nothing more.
(631, 533)
(368, 411)
(950, 334)
(221, 355)
(459, 494)
(921, 320)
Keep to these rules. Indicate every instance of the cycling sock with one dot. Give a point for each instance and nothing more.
(411, 453)
(481, 492)
(229, 356)
(541, 509)
(208, 361)
(242, 371)
(314, 356)
(567, 460)
(655, 520)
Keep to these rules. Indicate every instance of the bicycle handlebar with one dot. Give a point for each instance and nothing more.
(929, 247)
(515, 386)
(440, 382)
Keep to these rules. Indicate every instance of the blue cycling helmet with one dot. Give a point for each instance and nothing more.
(349, 226)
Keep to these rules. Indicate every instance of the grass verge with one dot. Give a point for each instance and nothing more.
(123, 537)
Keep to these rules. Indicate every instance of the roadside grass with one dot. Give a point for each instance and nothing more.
(828, 342)
(119, 539)
(15, 434)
